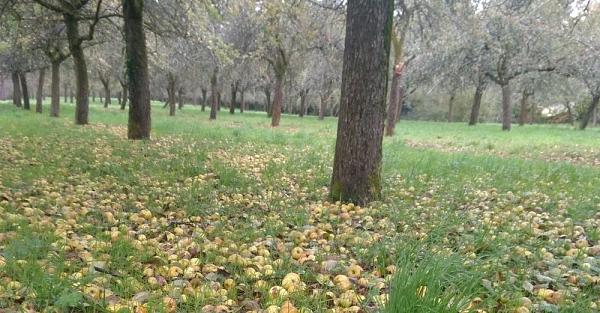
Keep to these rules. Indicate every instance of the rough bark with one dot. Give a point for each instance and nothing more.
(81, 73)
(137, 86)
(214, 95)
(589, 112)
(524, 114)
(277, 102)
(506, 107)
(358, 152)
(474, 118)
(55, 90)
(39, 97)
(25, 91)
(16, 89)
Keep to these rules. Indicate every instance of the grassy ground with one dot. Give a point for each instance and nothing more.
(229, 216)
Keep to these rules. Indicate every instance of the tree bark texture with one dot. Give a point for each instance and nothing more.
(16, 89)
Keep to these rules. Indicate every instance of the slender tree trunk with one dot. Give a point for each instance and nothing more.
(180, 96)
(172, 100)
(590, 111)
(39, 97)
(81, 74)
(268, 105)
(524, 114)
(506, 107)
(451, 106)
(394, 103)
(277, 101)
(16, 89)
(125, 93)
(168, 97)
(474, 118)
(303, 95)
(93, 92)
(25, 91)
(242, 101)
(218, 101)
(322, 106)
(358, 152)
(66, 93)
(71, 96)
(55, 90)
(204, 92)
(214, 95)
(106, 85)
(137, 86)
(595, 117)
(233, 98)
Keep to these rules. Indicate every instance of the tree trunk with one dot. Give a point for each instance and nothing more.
(81, 74)
(595, 117)
(25, 90)
(524, 114)
(590, 111)
(303, 95)
(393, 105)
(570, 112)
(106, 85)
(214, 95)
(358, 152)
(172, 100)
(233, 97)
(268, 105)
(506, 107)
(137, 86)
(204, 91)
(55, 90)
(218, 101)
(277, 101)
(474, 119)
(93, 92)
(16, 90)
(242, 101)
(39, 97)
(180, 97)
(71, 96)
(66, 93)
(125, 94)
(322, 106)
(451, 106)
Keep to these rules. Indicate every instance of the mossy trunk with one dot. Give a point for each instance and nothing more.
(358, 152)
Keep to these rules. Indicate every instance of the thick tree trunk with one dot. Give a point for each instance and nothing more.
(277, 101)
(39, 97)
(16, 89)
(137, 86)
(474, 118)
(358, 152)
(25, 91)
(524, 114)
(180, 98)
(214, 98)
(590, 111)
(55, 90)
(303, 95)
(204, 91)
(394, 103)
(322, 106)
(233, 98)
(242, 101)
(81, 74)
(506, 107)
(451, 106)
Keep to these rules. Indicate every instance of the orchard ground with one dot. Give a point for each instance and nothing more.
(230, 216)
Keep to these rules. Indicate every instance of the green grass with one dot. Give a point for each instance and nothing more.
(458, 202)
